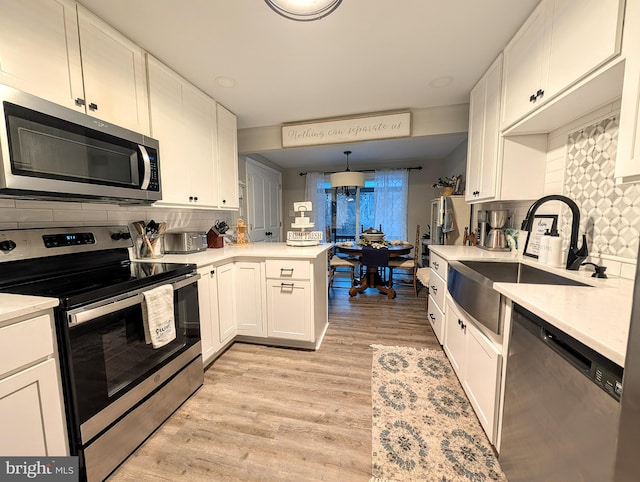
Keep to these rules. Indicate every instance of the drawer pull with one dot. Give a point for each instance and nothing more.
(436, 265)
(433, 318)
(434, 289)
(289, 270)
(287, 285)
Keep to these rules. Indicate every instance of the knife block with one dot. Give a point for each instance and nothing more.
(214, 240)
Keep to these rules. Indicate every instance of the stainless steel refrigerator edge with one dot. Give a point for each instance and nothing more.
(627, 466)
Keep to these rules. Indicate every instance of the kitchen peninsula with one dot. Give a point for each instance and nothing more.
(266, 293)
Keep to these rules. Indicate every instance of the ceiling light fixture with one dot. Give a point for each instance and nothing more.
(303, 10)
(346, 180)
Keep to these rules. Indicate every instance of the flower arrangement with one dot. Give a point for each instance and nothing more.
(447, 182)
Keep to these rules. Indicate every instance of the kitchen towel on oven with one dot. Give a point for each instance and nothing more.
(157, 314)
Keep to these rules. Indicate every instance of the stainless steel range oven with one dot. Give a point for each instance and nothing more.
(118, 389)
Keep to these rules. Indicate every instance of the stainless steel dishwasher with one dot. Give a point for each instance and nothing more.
(561, 406)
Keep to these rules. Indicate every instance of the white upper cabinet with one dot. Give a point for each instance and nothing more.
(198, 142)
(525, 63)
(497, 167)
(183, 120)
(227, 173)
(115, 87)
(40, 53)
(40, 50)
(560, 43)
(484, 120)
(628, 155)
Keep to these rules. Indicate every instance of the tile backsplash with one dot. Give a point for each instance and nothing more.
(610, 214)
(32, 214)
(580, 165)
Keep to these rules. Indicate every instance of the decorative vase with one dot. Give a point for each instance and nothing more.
(447, 191)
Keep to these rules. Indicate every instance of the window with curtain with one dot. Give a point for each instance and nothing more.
(391, 197)
(315, 192)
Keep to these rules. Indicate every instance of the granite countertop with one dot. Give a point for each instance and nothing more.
(15, 306)
(254, 250)
(598, 315)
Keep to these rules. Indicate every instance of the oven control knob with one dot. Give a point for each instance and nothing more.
(119, 236)
(7, 245)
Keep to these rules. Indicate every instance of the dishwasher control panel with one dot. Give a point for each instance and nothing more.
(608, 381)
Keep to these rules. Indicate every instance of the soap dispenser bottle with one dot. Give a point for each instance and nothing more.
(554, 249)
(543, 250)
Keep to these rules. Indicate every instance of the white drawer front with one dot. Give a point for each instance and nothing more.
(436, 318)
(439, 265)
(437, 290)
(288, 269)
(25, 342)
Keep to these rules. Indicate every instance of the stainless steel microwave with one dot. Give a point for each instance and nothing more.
(51, 152)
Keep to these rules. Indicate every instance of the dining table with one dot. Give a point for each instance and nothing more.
(372, 278)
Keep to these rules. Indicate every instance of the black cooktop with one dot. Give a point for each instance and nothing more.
(81, 279)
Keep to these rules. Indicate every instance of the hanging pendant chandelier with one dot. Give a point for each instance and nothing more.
(303, 10)
(347, 180)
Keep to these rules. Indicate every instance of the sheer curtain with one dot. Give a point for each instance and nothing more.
(391, 196)
(314, 192)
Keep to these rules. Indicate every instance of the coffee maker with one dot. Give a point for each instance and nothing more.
(491, 235)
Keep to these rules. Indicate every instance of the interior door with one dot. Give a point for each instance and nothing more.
(264, 190)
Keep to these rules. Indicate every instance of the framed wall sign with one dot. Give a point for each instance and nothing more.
(347, 129)
(541, 223)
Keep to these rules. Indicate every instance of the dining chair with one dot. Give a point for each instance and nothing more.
(336, 262)
(407, 263)
(376, 258)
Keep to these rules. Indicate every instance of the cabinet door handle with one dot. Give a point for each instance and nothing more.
(532, 98)
(80, 102)
(224, 201)
(213, 271)
(433, 318)
(436, 265)
(93, 106)
(539, 94)
(435, 290)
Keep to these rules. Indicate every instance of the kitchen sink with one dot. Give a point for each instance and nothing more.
(470, 284)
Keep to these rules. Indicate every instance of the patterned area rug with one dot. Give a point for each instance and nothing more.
(424, 428)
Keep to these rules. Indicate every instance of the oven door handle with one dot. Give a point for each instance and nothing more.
(83, 316)
(88, 315)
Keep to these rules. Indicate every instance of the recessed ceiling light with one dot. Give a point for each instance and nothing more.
(440, 82)
(227, 82)
(303, 10)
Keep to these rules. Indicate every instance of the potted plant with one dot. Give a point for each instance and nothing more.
(448, 184)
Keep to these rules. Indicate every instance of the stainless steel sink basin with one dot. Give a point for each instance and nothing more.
(470, 284)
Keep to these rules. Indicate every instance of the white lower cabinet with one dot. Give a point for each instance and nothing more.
(437, 291)
(226, 302)
(215, 299)
(31, 411)
(436, 318)
(249, 281)
(477, 363)
(289, 309)
(275, 301)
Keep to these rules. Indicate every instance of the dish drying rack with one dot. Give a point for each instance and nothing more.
(302, 222)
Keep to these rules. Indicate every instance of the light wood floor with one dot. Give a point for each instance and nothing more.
(274, 414)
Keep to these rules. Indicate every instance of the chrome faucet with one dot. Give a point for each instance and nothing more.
(575, 256)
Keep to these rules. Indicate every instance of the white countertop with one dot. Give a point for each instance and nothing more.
(15, 306)
(254, 250)
(598, 316)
